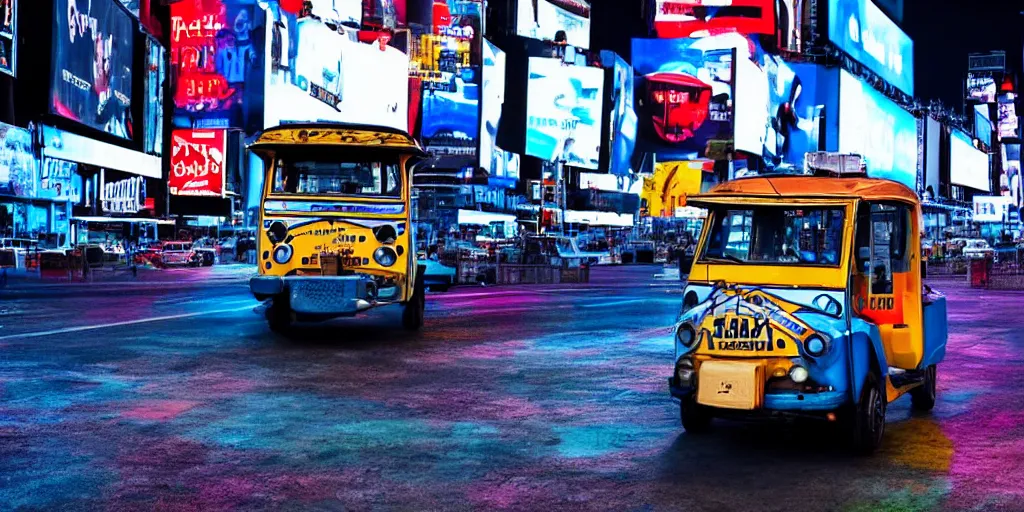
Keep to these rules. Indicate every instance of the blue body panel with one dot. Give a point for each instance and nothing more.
(936, 332)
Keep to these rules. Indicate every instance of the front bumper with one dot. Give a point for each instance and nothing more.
(319, 295)
(781, 402)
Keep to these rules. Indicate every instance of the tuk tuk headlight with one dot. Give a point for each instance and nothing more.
(798, 374)
(684, 372)
(283, 254)
(815, 345)
(686, 335)
(385, 256)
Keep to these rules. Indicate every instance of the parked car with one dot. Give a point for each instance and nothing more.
(438, 277)
(977, 248)
(179, 254)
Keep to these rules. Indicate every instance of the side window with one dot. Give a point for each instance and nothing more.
(889, 247)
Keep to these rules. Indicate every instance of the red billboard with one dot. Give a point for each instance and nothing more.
(197, 163)
(703, 18)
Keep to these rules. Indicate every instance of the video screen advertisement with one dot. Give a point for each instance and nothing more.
(981, 88)
(863, 31)
(156, 76)
(878, 129)
(621, 116)
(982, 124)
(217, 56)
(968, 166)
(695, 18)
(9, 37)
(685, 94)
(317, 74)
(544, 19)
(496, 162)
(91, 80)
(448, 62)
(780, 108)
(1008, 121)
(198, 158)
(564, 108)
(1014, 185)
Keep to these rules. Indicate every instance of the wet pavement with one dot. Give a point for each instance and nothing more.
(172, 395)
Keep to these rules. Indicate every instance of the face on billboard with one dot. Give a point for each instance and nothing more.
(197, 163)
(694, 18)
(544, 19)
(622, 121)
(494, 160)
(878, 129)
(564, 107)
(863, 31)
(685, 92)
(320, 75)
(968, 166)
(92, 65)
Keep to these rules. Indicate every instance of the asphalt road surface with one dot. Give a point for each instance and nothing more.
(174, 396)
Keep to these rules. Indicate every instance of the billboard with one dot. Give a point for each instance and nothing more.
(991, 208)
(320, 75)
(348, 13)
(18, 164)
(156, 76)
(932, 152)
(91, 80)
(629, 184)
(700, 18)
(779, 109)
(982, 125)
(497, 162)
(863, 31)
(544, 19)
(1014, 186)
(981, 88)
(197, 163)
(9, 37)
(622, 121)
(1008, 122)
(215, 58)
(968, 166)
(878, 129)
(685, 93)
(564, 108)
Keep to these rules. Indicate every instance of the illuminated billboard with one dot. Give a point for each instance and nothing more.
(968, 166)
(545, 19)
(878, 129)
(9, 37)
(564, 109)
(981, 88)
(982, 124)
(197, 163)
(685, 93)
(700, 18)
(1008, 121)
(496, 162)
(866, 34)
(622, 120)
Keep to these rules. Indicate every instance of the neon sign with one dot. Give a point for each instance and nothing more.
(197, 163)
(124, 196)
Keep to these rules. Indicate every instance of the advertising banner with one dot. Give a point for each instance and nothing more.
(320, 75)
(991, 208)
(701, 18)
(197, 163)
(1008, 122)
(981, 88)
(497, 162)
(156, 75)
(622, 120)
(968, 166)
(122, 196)
(18, 164)
(685, 93)
(544, 19)
(564, 108)
(671, 184)
(91, 80)
(59, 180)
(9, 37)
(337, 12)
(879, 130)
(862, 30)
(213, 51)
(982, 125)
(1014, 186)
(933, 152)
(629, 184)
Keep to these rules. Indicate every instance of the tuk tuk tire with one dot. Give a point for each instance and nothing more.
(696, 418)
(412, 315)
(922, 398)
(866, 421)
(279, 314)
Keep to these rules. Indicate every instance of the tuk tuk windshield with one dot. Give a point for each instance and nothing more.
(327, 175)
(776, 235)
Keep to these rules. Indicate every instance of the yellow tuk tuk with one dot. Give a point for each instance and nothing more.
(805, 299)
(336, 223)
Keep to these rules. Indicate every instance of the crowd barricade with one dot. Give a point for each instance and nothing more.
(512, 274)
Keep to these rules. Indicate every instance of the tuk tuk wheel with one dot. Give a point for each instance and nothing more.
(866, 422)
(412, 315)
(922, 398)
(696, 418)
(279, 314)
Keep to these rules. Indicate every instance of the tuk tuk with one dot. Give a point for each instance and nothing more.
(805, 299)
(336, 233)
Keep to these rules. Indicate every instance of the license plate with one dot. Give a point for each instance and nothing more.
(730, 384)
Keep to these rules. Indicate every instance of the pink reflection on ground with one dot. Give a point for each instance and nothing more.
(158, 410)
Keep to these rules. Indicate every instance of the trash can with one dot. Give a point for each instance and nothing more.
(978, 269)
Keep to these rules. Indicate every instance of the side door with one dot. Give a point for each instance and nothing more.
(888, 280)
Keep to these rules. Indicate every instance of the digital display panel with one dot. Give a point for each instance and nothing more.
(156, 75)
(544, 19)
(700, 18)
(622, 121)
(685, 93)
(968, 166)
(91, 81)
(9, 37)
(563, 108)
(879, 130)
(1008, 121)
(982, 124)
(197, 163)
(497, 162)
(981, 88)
(863, 31)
